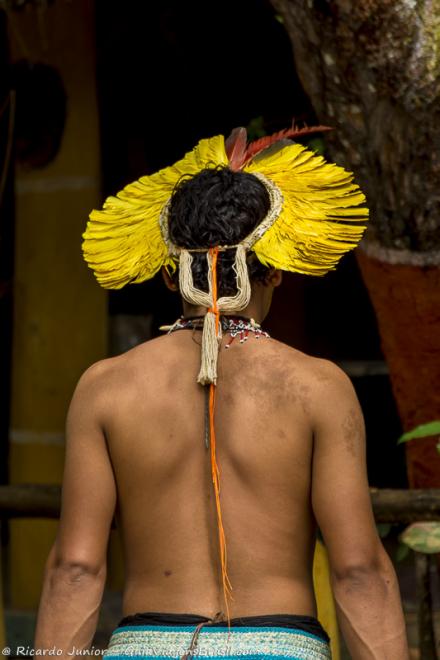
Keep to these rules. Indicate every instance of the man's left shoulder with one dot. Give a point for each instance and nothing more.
(316, 372)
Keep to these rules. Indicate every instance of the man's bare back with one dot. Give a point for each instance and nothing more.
(292, 455)
(166, 511)
(290, 433)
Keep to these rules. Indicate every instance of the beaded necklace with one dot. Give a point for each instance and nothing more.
(235, 326)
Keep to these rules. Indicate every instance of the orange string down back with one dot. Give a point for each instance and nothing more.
(227, 587)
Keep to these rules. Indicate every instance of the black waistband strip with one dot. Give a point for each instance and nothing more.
(299, 621)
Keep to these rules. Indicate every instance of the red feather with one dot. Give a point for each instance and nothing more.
(236, 148)
(257, 146)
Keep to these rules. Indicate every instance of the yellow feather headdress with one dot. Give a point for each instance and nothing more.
(320, 219)
(315, 216)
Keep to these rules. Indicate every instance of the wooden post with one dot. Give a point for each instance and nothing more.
(34, 500)
(405, 506)
(424, 600)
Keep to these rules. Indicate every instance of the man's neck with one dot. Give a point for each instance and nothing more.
(252, 311)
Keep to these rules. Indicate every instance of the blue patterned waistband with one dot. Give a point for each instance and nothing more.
(251, 642)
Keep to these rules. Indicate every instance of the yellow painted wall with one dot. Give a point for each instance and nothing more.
(324, 597)
(60, 313)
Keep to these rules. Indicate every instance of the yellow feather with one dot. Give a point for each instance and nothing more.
(321, 218)
(123, 242)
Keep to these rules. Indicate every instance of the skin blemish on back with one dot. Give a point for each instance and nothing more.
(304, 396)
(282, 434)
(167, 573)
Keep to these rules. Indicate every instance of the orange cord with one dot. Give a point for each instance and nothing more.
(214, 467)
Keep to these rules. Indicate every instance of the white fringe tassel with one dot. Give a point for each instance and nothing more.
(210, 347)
(211, 339)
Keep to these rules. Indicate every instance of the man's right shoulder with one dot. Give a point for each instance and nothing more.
(104, 370)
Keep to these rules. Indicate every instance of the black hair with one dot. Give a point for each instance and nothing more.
(218, 207)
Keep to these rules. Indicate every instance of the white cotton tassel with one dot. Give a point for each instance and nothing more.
(210, 347)
(211, 339)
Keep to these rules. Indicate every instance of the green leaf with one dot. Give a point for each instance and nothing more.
(383, 529)
(317, 145)
(401, 552)
(421, 431)
(422, 537)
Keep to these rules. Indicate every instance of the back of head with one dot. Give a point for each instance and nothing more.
(218, 207)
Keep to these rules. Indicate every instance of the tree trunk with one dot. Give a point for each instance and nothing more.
(372, 71)
(406, 300)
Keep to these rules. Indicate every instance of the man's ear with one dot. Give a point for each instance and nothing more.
(169, 283)
(274, 277)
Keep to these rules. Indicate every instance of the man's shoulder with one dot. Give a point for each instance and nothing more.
(323, 387)
(317, 370)
(104, 371)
